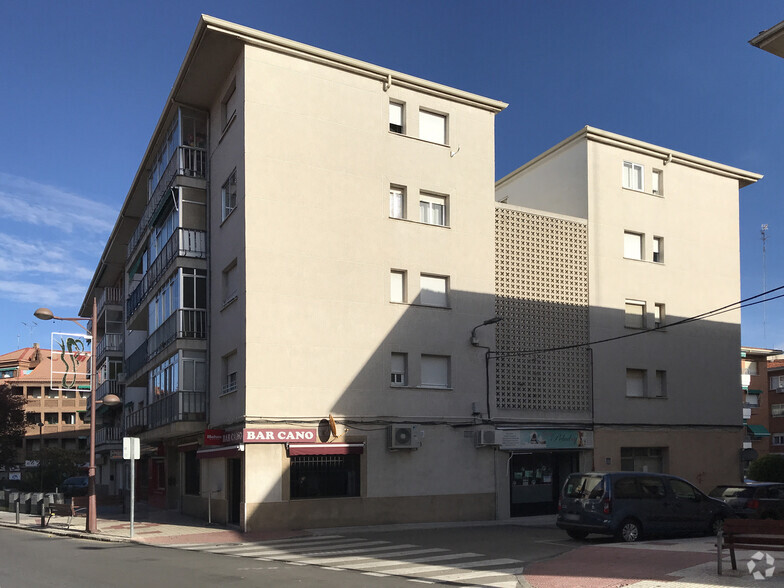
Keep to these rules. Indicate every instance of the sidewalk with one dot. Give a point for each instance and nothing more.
(674, 563)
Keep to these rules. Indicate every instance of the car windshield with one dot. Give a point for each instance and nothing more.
(732, 492)
(584, 486)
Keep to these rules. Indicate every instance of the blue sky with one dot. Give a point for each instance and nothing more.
(84, 84)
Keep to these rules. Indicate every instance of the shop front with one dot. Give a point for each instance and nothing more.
(539, 462)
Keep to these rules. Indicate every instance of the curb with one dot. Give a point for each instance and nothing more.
(68, 533)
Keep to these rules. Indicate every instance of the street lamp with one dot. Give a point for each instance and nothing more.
(475, 343)
(45, 314)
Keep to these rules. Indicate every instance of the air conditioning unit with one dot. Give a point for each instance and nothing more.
(488, 437)
(777, 383)
(403, 436)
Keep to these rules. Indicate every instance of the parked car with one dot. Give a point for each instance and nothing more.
(756, 500)
(76, 486)
(629, 505)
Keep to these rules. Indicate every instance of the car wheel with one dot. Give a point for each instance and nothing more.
(577, 534)
(716, 525)
(629, 531)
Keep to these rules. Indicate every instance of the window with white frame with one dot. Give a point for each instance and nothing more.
(229, 373)
(777, 410)
(777, 439)
(634, 315)
(748, 367)
(397, 286)
(399, 369)
(435, 371)
(229, 195)
(632, 245)
(660, 390)
(396, 117)
(752, 400)
(657, 182)
(658, 315)
(777, 383)
(635, 383)
(658, 249)
(434, 290)
(433, 209)
(633, 176)
(397, 202)
(432, 127)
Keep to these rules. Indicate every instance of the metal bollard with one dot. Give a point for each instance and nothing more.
(17, 511)
(44, 506)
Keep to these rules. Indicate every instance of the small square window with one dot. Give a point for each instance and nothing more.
(229, 195)
(397, 286)
(632, 245)
(435, 371)
(433, 209)
(658, 249)
(434, 290)
(635, 383)
(229, 104)
(657, 185)
(397, 202)
(229, 373)
(396, 117)
(69, 418)
(633, 176)
(51, 418)
(399, 369)
(432, 127)
(634, 316)
(52, 393)
(658, 315)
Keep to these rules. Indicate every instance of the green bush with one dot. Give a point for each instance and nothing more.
(767, 468)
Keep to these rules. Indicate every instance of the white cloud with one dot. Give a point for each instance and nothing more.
(62, 292)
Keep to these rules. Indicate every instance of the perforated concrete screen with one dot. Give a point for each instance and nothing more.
(541, 273)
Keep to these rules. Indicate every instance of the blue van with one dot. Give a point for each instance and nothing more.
(629, 505)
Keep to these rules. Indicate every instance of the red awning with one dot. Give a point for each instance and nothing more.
(324, 448)
(226, 451)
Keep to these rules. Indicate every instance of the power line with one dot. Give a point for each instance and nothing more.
(721, 310)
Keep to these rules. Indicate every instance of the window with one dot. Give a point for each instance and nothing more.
(632, 245)
(432, 127)
(229, 373)
(748, 367)
(657, 187)
(633, 176)
(777, 439)
(69, 418)
(658, 315)
(434, 291)
(34, 392)
(50, 393)
(635, 383)
(658, 249)
(397, 286)
(777, 383)
(33, 418)
(432, 209)
(684, 490)
(229, 195)
(752, 400)
(397, 202)
(51, 418)
(229, 104)
(399, 369)
(71, 394)
(229, 283)
(777, 410)
(324, 476)
(635, 314)
(660, 390)
(435, 371)
(396, 117)
(643, 459)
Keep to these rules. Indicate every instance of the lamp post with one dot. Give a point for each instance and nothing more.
(111, 399)
(475, 343)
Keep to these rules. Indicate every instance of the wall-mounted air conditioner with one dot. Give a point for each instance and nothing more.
(488, 437)
(403, 436)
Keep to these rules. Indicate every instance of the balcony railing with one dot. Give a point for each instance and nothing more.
(186, 161)
(182, 324)
(109, 387)
(173, 408)
(109, 342)
(110, 296)
(183, 243)
(108, 435)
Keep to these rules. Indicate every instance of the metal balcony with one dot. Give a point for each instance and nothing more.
(109, 387)
(109, 297)
(182, 324)
(108, 436)
(189, 243)
(173, 408)
(109, 342)
(187, 161)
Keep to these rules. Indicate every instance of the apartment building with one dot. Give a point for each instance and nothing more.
(773, 419)
(56, 418)
(631, 252)
(290, 291)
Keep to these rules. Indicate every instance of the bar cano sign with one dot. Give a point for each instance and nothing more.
(279, 435)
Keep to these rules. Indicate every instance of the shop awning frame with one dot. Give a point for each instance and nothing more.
(225, 451)
(294, 449)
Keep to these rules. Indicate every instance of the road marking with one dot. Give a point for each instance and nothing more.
(307, 551)
(374, 558)
(392, 562)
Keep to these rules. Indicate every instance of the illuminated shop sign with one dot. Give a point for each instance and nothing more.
(279, 435)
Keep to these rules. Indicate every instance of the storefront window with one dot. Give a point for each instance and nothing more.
(323, 476)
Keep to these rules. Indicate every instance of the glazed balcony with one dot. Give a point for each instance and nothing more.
(175, 407)
(187, 243)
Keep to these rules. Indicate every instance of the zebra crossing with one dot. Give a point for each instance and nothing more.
(430, 565)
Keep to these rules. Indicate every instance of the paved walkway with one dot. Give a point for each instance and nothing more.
(680, 563)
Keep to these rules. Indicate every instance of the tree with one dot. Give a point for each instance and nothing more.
(56, 464)
(767, 468)
(12, 423)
